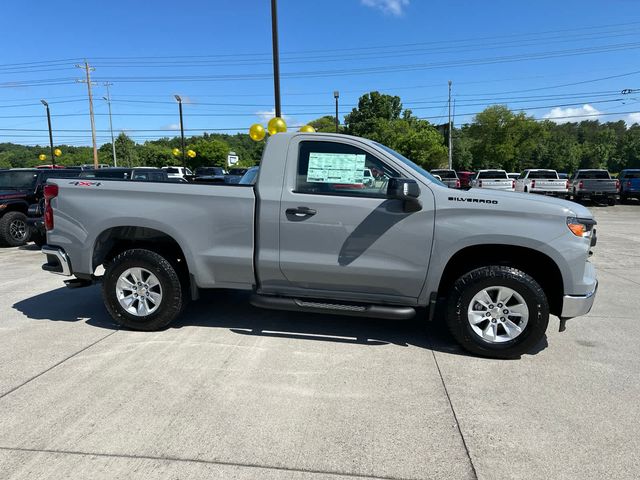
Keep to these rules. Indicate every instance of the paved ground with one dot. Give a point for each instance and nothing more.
(236, 392)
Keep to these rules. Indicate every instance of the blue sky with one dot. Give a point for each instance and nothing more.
(551, 59)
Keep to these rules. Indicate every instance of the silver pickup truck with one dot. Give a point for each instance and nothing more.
(594, 184)
(493, 180)
(542, 181)
(312, 236)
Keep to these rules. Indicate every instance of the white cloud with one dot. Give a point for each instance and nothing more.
(266, 115)
(569, 114)
(172, 126)
(391, 7)
(632, 118)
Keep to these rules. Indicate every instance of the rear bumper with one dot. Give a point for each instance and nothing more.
(554, 193)
(57, 261)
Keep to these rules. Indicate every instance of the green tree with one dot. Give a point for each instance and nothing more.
(126, 151)
(372, 107)
(325, 124)
(209, 152)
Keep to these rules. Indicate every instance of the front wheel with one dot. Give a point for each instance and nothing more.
(497, 311)
(142, 290)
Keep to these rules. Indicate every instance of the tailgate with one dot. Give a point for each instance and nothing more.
(550, 185)
(600, 185)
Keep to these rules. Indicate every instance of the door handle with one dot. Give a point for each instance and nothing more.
(300, 212)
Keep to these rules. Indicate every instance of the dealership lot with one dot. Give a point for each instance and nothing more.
(236, 392)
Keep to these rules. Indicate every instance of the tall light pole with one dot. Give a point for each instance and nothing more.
(276, 57)
(88, 69)
(450, 131)
(336, 95)
(113, 145)
(53, 157)
(179, 99)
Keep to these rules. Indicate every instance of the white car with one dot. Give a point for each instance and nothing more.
(177, 172)
(543, 181)
(494, 180)
(369, 180)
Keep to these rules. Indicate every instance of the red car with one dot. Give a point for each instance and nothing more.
(465, 178)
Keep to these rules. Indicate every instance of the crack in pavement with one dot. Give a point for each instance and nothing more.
(55, 365)
(200, 461)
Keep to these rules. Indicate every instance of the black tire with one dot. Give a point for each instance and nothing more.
(14, 231)
(172, 299)
(611, 201)
(471, 283)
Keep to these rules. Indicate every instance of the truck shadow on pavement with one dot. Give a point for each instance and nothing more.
(231, 310)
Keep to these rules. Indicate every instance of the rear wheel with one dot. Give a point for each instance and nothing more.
(14, 231)
(142, 290)
(497, 311)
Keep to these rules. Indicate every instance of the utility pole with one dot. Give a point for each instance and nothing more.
(113, 145)
(53, 157)
(184, 160)
(336, 95)
(450, 132)
(88, 71)
(276, 57)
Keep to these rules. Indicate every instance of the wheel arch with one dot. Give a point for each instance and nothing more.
(115, 240)
(15, 206)
(533, 262)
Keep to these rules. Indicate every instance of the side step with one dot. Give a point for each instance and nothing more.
(353, 310)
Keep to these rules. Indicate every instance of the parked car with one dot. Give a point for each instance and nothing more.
(210, 175)
(493, 180)
(501, 263)
(234, 175)
(593, 184)
(513, 175)
(546, 182)
(465, 178)
(448, 177)
(178, 172)
(563, 176)
(250, 177)
(629, 181)
(138, 174)
(21, 189)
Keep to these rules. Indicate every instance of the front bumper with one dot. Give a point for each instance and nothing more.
(57, 261)
(575, 306)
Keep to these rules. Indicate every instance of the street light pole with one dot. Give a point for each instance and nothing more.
(53, 157)
(113, 145)
(336, 95)
(179, 99)
(450, 131)
(276, 57)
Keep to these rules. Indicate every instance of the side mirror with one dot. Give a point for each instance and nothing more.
(407, 190)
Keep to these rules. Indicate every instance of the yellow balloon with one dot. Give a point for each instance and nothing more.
(57, 152)
(276, 125)
(42, 157)
(257, 132)
(191, 154)
(307, 129)
(176, 152)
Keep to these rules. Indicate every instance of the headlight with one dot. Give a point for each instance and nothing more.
(580, 227)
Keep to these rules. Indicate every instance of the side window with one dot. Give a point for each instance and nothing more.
(332, 168)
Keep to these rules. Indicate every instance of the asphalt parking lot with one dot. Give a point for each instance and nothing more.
(236, 392)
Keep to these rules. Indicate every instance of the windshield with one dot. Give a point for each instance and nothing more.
(445, 173)
(250, 177)
(544, 174)
(410, 164)
(15, 179)
(632, 174)
(493, 174)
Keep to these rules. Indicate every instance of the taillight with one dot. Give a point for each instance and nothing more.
(567, 185)
(581, 185)
(629, 184)
(617, 184)
(457, 183)
(533, 184)
(480, 183)
(513, 184)
(50, 192)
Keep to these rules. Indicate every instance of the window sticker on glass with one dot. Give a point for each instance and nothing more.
(344, 168)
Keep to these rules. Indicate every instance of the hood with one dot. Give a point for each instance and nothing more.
(524, 202)
(11, 194)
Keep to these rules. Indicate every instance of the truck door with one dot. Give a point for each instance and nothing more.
(340, 236)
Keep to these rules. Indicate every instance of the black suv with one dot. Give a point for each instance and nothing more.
(21, 189)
